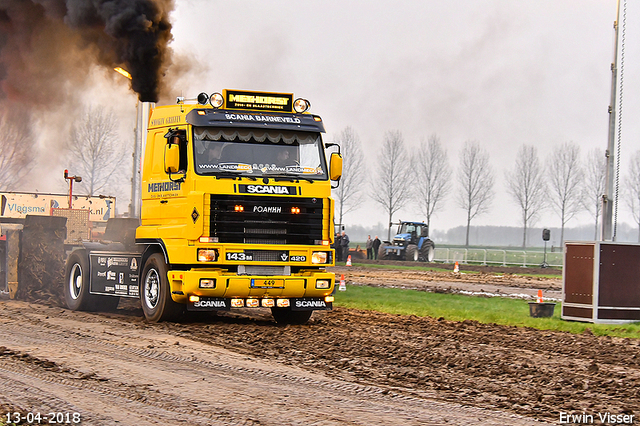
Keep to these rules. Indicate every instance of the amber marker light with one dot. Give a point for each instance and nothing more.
(295, 210)
(239, 208)
(329, 299)
(194, 299)
(208, 239)
(283, 303)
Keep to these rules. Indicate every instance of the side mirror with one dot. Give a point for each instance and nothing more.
(335, 166)
(171, 158)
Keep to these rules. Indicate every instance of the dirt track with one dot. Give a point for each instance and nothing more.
(344, 367)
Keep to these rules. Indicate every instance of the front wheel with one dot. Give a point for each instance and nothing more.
(155, 292)
(382, 253)
(289, 316)
(412, 253)
(76, 282)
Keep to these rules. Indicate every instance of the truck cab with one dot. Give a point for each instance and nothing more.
(236, 209)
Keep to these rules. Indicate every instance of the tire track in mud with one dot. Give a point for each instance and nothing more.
(18, 393)
(413, 406)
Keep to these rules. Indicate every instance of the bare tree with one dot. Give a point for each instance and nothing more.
(595, 172)
(565, 180)
(350, 195)
(526, 185)
(475, 177)
(433, 175)
(391, 186)
(16, 149)
(96, 151)
(633, 188)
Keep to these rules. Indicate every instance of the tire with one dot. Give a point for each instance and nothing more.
(76, 282)
(411, 253)
(155, 293)
(382, 254)
(288, 316)
(428, 251)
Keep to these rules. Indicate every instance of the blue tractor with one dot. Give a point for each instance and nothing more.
(411, 243)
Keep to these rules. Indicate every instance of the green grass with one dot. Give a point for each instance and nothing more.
(455, 307)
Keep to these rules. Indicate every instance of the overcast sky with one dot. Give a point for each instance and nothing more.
(503, 73)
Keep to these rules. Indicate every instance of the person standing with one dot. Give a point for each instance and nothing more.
(375, 246)
(344, 242)
(369, 247)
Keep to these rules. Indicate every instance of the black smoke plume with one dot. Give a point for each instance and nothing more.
(48, 46)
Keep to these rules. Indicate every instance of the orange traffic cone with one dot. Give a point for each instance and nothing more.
(539, 296)
(349, 260)
(456, 267)
(343, 286)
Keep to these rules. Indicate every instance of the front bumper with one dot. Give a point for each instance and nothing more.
(229, 285)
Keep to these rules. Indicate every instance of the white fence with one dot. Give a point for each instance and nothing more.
(497, 257)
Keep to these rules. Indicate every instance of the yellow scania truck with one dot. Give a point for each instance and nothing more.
(235, 213)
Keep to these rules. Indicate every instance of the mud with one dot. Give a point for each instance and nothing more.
(344, 367)
(480, 280)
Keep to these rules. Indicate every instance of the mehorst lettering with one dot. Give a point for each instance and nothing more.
(268, 100)
(164, 186)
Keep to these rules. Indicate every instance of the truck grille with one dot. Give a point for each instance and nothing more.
(266, 220)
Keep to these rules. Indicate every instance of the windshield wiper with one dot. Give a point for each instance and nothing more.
(225, 174)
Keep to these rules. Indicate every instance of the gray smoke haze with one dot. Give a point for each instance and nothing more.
(47, 46)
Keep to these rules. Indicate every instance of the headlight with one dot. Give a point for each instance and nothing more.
(319, 257)
(323, 284)
(216, 100)
(207, 255)
(301, 105)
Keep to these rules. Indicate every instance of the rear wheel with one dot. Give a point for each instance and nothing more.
(412, 253)
(155, 293)
(76, 279)
(428, 251)
(289, 316)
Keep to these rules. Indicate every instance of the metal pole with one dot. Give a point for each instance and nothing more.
(607, 198)
(134, 173)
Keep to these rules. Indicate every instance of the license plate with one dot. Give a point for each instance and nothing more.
(267, 283)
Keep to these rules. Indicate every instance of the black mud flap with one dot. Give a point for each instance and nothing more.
(210, 304)
(310, 304)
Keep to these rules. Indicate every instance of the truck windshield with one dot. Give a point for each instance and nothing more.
(257, 153)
